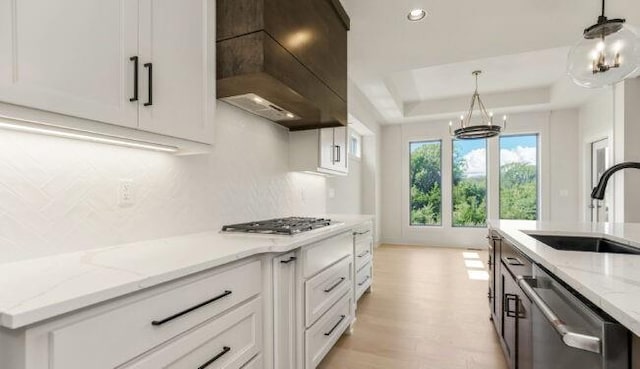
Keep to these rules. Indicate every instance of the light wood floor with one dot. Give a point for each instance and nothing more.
(424, 313)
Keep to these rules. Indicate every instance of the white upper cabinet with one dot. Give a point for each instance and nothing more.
(340, 159)
(327, 148)
(142, 64)
(177, 40)
(320, 150)
(70, 57)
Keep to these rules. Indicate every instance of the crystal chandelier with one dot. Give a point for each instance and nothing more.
(485, 128)
(608, 52)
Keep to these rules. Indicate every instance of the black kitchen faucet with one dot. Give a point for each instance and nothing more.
(598, 191)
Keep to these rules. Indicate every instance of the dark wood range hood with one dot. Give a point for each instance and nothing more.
(285, 60)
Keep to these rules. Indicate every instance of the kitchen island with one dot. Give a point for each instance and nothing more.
(607, 281)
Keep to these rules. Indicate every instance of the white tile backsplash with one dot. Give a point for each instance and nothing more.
(59, 195)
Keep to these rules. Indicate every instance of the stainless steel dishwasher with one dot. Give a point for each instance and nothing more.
(567, 333)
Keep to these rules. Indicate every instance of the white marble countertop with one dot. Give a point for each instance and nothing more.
(610, 281)
(39, 289)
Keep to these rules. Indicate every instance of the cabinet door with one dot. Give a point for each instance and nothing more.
(340, 141)
(327, 150)
(510, 301)
(284, 305)
(70, 57)
(177, 50)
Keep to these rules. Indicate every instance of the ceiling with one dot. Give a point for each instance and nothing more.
(421, 71)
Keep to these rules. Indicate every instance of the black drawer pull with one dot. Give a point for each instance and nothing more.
(293, 258)
(363, 254)
(149, 67)
(134, 59)
(361, 233)
(221, 354)
(335, 326)
(172, 317)
(335, 285)
(510, 260)
(364, 281)
(508, 297)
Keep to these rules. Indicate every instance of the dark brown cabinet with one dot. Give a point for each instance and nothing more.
(291, 53)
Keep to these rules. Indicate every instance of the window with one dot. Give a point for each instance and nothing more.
(355, 146)
(469, 183)
(519, 177)
(425, 176)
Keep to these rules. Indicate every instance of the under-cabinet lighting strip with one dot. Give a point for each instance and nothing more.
(22, 125)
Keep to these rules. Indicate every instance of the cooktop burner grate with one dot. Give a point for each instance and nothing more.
(284, 226)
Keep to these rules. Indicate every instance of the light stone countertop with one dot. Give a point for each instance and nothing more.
(38, 289)
(610, 281)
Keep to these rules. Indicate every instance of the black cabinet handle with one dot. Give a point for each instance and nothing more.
(335, 326)
(293, 258)
(177, 315)
(363, 254)
(364, 281)
(149, 67)
(335, 285)
(508, 297)
(134, 59)
(338, 149)
(361, 233)
(510, 260)
(225, 349)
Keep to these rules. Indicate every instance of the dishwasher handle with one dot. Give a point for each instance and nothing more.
(571, 339)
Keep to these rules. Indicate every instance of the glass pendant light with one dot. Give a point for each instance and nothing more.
(483, 129)
(608, 53)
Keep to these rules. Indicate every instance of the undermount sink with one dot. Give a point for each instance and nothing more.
(590, 244)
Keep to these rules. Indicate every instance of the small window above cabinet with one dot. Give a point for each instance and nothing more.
(133, 69)
(319, 151)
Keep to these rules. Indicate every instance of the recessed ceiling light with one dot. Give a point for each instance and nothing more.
(416, 15)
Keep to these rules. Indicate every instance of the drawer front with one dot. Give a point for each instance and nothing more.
(514, 260)
(255, 363)
(320, 255)
(364, 278)
(363, 230)
(111, 338)
(323, 290)
(320, 338)
(227, 342)
(363, 255)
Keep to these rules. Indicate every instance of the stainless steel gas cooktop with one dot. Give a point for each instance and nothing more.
(283, 226)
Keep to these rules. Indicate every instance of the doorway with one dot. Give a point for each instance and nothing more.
(600, 161)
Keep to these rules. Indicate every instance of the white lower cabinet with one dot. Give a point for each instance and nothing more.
(137, 326)
(180, 324)
(285, 303)
(228, 342)
(323, 290)
(363, 259)
(321, 337)
(268, 312)
(363, 280)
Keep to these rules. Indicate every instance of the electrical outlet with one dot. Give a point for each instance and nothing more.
(332, 192)
(126, 193)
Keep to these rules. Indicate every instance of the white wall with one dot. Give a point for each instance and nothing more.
(596, 122)
(59, 195)
(344, 192)
(371, 176)
(564, 166)
(556, 203)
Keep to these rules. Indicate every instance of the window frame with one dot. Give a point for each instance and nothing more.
(538, 182)
(486, 184)
(358, 138)
(439, 141)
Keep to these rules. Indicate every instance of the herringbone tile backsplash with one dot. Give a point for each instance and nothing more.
(59, 195)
